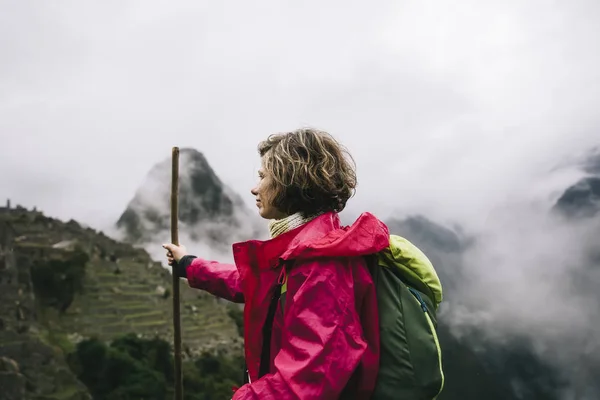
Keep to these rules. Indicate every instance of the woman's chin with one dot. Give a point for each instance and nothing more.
(263, 214)
(266, 214)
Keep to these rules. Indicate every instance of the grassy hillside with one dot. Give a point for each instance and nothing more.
(123, 289)
(62, 283)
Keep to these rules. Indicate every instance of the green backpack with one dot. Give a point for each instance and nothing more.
(408, 295)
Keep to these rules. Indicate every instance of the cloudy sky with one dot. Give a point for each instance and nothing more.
(442, 104)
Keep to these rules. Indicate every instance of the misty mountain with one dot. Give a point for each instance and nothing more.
(519, 366)
(209, 211)
(582, 199)
(580, 206)
(580, 202)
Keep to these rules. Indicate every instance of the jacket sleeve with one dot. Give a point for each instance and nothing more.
(221, 280)
(322, 338)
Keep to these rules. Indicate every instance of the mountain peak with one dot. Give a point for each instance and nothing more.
(208, 209)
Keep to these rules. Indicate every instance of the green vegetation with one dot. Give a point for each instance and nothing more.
(58, 278)
(57, 339)
(135, 368)
(212, 376)
(237, 315)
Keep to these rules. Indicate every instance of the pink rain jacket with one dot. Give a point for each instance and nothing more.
(325, 344)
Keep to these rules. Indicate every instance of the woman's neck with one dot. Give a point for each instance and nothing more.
(286, 224)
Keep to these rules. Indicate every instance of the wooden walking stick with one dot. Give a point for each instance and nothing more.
(178, 382)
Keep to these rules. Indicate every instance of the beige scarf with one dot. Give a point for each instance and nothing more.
(279, 226)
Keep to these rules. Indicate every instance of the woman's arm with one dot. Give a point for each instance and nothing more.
(219, 279)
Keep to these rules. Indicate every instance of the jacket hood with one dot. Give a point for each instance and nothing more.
(325, 237)
(322, 237)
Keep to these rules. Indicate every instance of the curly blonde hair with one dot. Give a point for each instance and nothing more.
(311, 171)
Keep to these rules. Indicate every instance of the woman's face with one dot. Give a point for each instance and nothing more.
(263, 192)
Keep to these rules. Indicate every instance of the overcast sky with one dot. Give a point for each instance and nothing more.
(441, 103)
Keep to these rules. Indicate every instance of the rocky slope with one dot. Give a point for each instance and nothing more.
(31, 366)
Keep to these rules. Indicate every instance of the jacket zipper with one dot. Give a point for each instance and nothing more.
(433, 332)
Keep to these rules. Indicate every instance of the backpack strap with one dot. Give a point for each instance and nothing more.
(265, 355)
(372, 262)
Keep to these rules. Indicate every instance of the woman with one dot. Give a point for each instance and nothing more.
(324, 338)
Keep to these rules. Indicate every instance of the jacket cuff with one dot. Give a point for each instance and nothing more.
(182, 264)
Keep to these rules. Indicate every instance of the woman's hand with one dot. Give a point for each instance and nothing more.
(174, 253)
